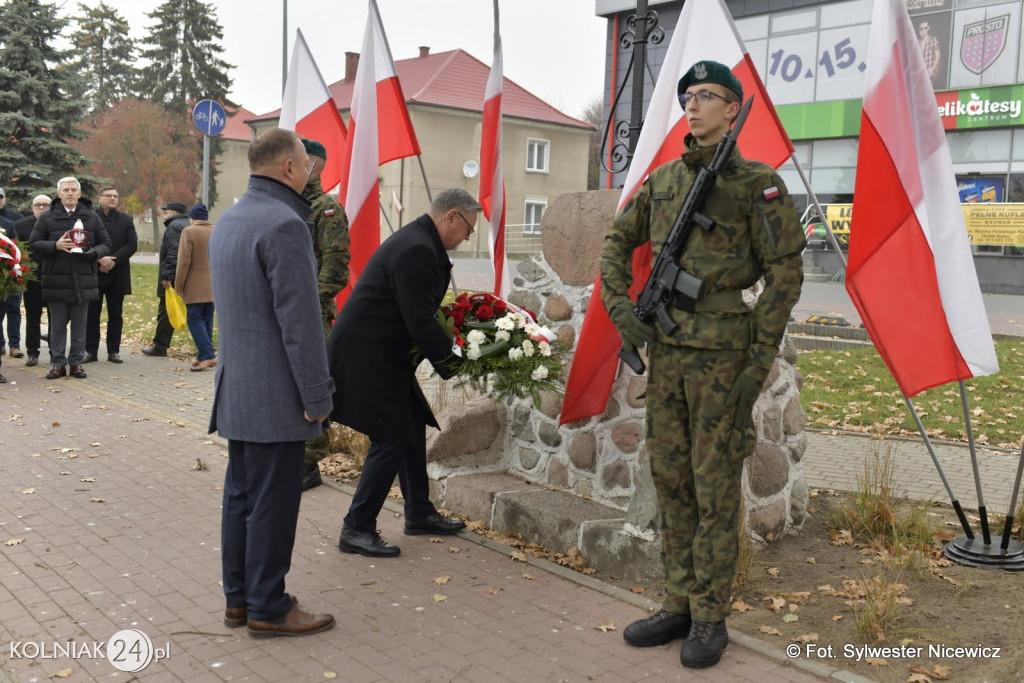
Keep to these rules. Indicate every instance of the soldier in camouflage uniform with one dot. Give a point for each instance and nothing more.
(703, 381)
(330, 246)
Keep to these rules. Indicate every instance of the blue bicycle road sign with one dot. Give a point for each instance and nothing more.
(209, 117)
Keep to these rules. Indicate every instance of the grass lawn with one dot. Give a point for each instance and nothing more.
(853, 390)
(140, 313)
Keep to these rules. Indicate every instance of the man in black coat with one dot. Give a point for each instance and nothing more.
(391, 311)
(69, 273)
(175, 220)
(115, 278)
(34, 290)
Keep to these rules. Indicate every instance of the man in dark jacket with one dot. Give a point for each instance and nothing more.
(393, 309)
(69, 273)
(34, 291)
(115, 278)
(175, 220)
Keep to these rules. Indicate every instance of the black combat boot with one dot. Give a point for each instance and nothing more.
(658, 629)
(704, 646)
(311, 476)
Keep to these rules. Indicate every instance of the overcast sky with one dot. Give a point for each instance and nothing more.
(553, 48)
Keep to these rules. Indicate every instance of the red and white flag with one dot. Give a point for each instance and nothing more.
(492, 181)
(395, 202)
(705, 31)
(910, 272)
(379, 131)
(308, 109)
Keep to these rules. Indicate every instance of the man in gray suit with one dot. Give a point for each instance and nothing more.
(272, 390)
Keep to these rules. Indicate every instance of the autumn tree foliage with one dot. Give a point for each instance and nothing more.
(137, 145)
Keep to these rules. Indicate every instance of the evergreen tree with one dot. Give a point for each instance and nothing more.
(184, 66)
(183, 51)
(38, 111)
(104, 55)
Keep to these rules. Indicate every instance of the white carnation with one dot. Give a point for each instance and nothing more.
(528, 348)
(507, 322)
(502, 335)
(515, 354)
(476, 337)
(473, 353)
(540, 372)
(532, 329)
(520, 320)
(544, 348)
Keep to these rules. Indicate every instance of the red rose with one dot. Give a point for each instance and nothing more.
(484, 313)
(458, 317)
(499, 306)
(463, 305)
(530, 313)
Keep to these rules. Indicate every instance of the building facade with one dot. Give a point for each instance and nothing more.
(544, 151)
(811, 56)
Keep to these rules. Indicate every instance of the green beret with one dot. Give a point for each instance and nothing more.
(314, 148)
(710, 72)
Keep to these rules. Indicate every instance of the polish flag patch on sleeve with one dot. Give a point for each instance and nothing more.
(772, 192)
(329, 212)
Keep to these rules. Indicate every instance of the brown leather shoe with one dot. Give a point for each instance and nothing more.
(238, 616)
(16, 352)
(77, 372)
(56, 372)
(201, 365)
(90, 358)
(295, 623)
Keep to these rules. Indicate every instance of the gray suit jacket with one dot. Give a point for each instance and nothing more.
(272, 362)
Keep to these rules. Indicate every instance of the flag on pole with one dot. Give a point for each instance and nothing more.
(910, 272)
(380, 131)
(492, 181)
(395, 203)
(705, 30)
(360, 179)
(308, 109)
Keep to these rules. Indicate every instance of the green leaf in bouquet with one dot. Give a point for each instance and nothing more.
(477, 325)
(493, 349)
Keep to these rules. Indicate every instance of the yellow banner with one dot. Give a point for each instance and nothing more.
(989, 224)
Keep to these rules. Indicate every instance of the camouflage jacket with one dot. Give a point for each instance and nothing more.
(757, 234)
(330, 246)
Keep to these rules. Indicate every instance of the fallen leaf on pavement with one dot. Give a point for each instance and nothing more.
(440, 598)
(14, 541)
(876, 661)
(95, 444)
(436, 539)
(493, 591)
(775, 603)
(518, 555)
(837, 617)
(97, 500)
(806, 638)
(28, 491)
(87, 479)
(64, 673)
(811, 560)
(942, 671)
(527, 577)
(453, 549)
(606, 626)
(442, 580)
(772, 572)
(769, 630)
(330, 674)
(200, 466)
(789, 618)
(63, 473)
(637, 589)
(740, 606)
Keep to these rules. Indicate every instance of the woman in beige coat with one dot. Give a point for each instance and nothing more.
(192, 283)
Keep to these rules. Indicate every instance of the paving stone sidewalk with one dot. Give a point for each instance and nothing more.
(106, 525)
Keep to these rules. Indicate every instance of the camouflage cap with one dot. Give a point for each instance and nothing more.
(708, 71)
(314, 148)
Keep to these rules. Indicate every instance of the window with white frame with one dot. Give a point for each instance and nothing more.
(534, 212)
(537, 152)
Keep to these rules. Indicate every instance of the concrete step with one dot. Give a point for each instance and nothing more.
(557, 520)
(817, 277)
(812, 343)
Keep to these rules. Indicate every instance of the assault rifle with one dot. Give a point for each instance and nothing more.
(667, 278)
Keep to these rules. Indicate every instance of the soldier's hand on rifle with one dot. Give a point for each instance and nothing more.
(633, 331)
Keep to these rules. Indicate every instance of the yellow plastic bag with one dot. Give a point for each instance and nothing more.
(176, 313)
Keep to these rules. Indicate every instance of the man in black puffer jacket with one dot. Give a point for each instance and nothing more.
(69, 274)
(176, 220)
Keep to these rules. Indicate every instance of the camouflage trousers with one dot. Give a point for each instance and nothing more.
(317, 449)
(696, 478)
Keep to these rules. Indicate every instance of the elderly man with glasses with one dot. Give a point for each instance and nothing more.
(392, 311)
(34, 290)
(704, 379)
